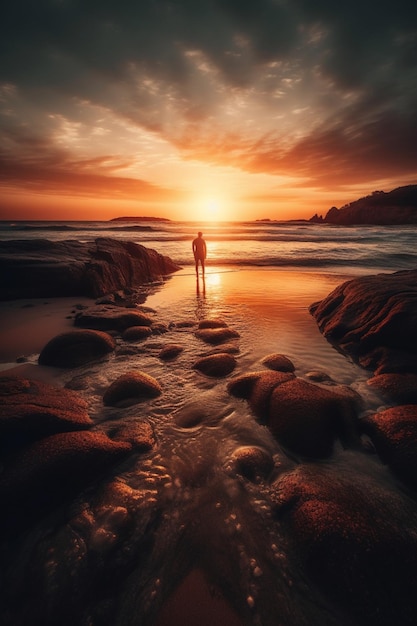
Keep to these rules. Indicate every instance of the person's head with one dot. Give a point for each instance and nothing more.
(200, 234)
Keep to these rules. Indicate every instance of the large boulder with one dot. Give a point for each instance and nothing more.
(30, 409)
(76, 348)
(305, 418)
(51, 470)
(354, 536)
(41, 268)
(394, 435)
(398, 388)
(373, 319)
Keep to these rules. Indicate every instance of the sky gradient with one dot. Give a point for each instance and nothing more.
(216, 109)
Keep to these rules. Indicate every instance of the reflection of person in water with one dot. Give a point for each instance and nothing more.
(200, 252)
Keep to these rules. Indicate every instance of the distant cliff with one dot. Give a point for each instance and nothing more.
(398, 206)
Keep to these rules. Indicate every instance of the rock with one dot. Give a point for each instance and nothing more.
(278, 362)
(138, 433)
(30, 409)
(354, 535)
(251, 462)
(398, 206)
(136, 333)
(305, 418)
(257, 387)
(111, 317)
(394, 435)
(212, 323)
(320, 377)
(159, 328)
(49, 471)
(216, 365)
(216, 335)
(40, 268)
(373, 319)
(170, 351)
(398, 388)
(131, 388)
(76, 348)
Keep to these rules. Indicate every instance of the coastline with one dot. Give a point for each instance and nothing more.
(268, 305)
(239, 482)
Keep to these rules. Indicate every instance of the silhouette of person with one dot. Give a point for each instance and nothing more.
(200, 252)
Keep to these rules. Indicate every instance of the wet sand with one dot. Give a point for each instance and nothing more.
(27, 325)
(269, 306)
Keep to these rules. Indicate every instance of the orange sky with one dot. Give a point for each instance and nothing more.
(138, 110)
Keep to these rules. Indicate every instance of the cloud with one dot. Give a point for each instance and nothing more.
(323, 89)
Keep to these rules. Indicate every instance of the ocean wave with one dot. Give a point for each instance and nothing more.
(393, 262)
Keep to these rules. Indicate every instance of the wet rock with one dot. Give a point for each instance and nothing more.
(216, 365)
(131, 388)
(305, 418)
(159, 328)
(184, 324)
(136, 333)
(251, 462)
(75, 348)
(40, 268)
(109, 317)
(212, 323)
(398, 388)
(257, 387)
(394, 435)
(278, 362)
(30, 409)
(354, 535)
(374, 320)
(138, 433)
(170, 351)
(197, 412)
(230, 348)
(216, 335)
(48, 471)
(320, 377)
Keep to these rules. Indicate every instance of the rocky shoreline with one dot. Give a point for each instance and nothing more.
(41, 268)
(337, 487)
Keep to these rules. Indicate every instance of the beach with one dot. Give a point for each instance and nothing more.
(268, 306)
(212, 471)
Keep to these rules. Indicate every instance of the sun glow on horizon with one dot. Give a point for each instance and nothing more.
(211, 208)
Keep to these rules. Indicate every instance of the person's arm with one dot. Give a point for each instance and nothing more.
(205, 249)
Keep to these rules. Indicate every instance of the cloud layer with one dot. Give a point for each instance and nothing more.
(323, 90)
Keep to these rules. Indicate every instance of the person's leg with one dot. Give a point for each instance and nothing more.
(202, 266)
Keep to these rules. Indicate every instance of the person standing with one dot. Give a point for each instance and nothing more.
(200, 252)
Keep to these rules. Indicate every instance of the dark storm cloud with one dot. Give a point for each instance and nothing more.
(104, 51)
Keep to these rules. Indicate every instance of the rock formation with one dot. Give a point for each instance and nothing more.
(398, 206)
(41, 268)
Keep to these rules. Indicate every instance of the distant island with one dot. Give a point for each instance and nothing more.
(140, 219)
(398, 206)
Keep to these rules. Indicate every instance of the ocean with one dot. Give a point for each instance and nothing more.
(352, 250)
